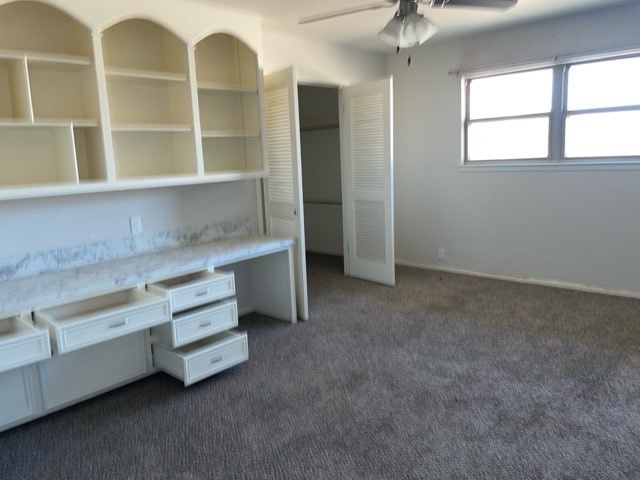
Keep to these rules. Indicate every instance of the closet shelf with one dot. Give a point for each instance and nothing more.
(229, 134)
(144, 75)
(320, 126)
(151, 127)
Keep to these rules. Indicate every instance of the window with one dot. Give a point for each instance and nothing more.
(572, 111)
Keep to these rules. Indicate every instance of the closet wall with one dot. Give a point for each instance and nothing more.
(321, 181)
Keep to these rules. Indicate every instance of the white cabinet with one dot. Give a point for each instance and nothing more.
(230, 99)
(49, 107)
(21, 343)
(149, 101)
(136, 105)
(18, 399)
(71, 377)
(195, 345)
(88, 322)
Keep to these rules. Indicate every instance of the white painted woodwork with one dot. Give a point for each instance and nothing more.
(367, 184)
(202, 359)
(199, 323)
(77, 325)
(21, 343)
(68, 378)
(284, 209)
(84, 110)
(229, 103)
(106, 361)
(193, 290)
(272, 285)
(17, 396)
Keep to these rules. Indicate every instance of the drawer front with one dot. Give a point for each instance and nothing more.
(205, 323)
(24, 351)
(216, 360)
(203, 292)
(112, 326)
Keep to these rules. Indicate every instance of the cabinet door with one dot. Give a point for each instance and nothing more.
(17, 396)
(84, 373)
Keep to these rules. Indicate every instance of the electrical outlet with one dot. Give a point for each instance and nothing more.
(441, 253)
(136, 224)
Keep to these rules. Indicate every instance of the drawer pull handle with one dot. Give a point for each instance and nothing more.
(216, 359)
(202, 293)
(205, 324)
(120, 324)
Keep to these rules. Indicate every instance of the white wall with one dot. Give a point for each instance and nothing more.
(40, 225)
(317, 63)
(580, 227)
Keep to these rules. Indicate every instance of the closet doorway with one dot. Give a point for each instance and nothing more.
(321, 177)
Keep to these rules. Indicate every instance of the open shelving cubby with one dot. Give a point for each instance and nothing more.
(149, 101)
(230, 105)
(49, 105)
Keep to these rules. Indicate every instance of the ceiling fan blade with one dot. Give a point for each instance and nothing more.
(347, 11)
(501, 4)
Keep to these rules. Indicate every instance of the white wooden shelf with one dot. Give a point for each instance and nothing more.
(69, 125)
(70, 61)
(225, 87)
(149, 127)
(229, 134)
(115, 73)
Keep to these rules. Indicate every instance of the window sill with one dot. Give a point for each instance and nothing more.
(570, 166)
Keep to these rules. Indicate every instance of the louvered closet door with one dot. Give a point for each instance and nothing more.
(367, 170)
(284, 214)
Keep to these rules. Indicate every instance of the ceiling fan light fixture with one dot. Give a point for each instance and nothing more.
(408, 30)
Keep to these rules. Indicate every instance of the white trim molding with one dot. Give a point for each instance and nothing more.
(531, 281)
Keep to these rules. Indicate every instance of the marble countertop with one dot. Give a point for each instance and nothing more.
(53, 288)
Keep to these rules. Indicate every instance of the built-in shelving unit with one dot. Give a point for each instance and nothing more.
(229, 101)
(49, 120)
(133, 107)
(149, 101)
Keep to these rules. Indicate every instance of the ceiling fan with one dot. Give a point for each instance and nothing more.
(408, 27)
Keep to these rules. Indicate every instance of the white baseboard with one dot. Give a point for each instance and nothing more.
(531, 281)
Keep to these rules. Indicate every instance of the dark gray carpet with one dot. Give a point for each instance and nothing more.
(444, 376)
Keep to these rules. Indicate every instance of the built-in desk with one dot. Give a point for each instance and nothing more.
(36, 379)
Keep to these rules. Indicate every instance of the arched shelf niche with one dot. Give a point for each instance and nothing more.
(229, 99)
(49, 108)
(150, 101)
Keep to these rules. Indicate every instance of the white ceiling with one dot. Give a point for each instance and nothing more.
(360, 30)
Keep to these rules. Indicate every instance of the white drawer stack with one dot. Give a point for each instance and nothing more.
(196, 343)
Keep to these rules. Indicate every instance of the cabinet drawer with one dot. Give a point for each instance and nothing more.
(21, 343)
(200, 323)
(88, 322)
(189, 291)
(199, 360)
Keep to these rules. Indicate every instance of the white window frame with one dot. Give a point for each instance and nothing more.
(557, 118)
